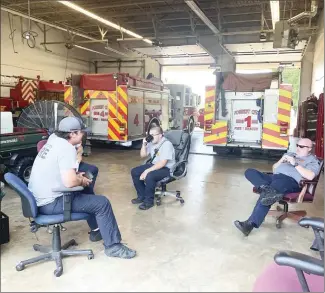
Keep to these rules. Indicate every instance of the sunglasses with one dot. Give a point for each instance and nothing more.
(302, 146)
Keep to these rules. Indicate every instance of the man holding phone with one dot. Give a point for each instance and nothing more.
(287, 173)
(145, 177)
(55, 167)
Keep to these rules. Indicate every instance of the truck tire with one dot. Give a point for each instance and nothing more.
(23, 168)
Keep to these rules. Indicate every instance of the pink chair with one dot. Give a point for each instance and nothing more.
(277, 278)
(293, 271)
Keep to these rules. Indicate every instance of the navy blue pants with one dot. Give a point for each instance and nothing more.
(84, 167)
(98, 207)
(146, 188)
(281, 183)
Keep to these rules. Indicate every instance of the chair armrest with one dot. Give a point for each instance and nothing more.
(175, 167)
(67, 199)
(300, 261)
(315, 223)
(67, 190)
(304, 182)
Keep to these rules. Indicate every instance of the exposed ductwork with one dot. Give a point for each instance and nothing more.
(308, 14)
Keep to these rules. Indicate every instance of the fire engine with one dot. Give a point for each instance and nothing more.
(25, 90)
(118, 107)
(183, 107)
(247, 111)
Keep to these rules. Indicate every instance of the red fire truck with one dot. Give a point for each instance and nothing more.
(247, 111)
(26, 90)
(183, 106)
(118, 107)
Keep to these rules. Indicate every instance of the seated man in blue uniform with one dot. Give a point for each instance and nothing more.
(145, 177)
(287, 173)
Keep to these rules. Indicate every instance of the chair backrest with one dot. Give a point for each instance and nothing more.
(311, 189)
(181, 141)
(28, 201)
(40, 144)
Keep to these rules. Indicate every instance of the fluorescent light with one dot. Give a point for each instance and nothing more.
(275, 11)
(102, 20)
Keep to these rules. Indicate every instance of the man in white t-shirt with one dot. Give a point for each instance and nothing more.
(54, 167)
(145, 177)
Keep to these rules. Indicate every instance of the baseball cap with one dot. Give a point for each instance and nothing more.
(70, 124)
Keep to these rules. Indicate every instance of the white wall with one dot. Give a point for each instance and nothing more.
(307, 64)
(317, 84)
(135, 69)
(32, 62)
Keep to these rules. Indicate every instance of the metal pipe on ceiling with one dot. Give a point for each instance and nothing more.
(59, 28)
(310, 14)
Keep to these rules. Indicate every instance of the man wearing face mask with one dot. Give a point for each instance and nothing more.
(145, 177)
(287, 173)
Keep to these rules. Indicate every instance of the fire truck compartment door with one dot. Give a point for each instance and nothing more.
(99, 116)
(245, 126)
(135, 113)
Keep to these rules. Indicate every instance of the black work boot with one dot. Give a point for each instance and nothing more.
(270, 196)
(137, 200)
(145, 206)
(245, 227)
(95, 236)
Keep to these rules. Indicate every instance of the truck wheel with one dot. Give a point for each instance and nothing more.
(23, 168)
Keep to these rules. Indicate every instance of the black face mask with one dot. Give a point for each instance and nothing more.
(149, 138)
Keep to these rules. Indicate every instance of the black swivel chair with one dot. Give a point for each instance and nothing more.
(30, 210)
(181, 141)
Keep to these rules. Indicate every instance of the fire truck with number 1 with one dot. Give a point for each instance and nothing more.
(247, 111)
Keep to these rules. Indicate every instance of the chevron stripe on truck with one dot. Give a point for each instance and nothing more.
(214, 132)
(276, 135)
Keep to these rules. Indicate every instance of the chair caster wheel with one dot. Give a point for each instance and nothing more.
(278, 224)
(91, 256)
(58, 272)
(178, 194)
(20, 267)
(158, 202)
(182, 201)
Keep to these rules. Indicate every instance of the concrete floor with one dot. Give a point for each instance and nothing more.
(194, 247)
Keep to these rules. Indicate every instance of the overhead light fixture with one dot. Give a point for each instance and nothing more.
(104, 21)
(202, 16)
(275, 11)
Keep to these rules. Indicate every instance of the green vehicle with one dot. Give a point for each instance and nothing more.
(19, 149)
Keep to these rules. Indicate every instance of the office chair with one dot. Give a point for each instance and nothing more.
(293, 271)
(181, 141)
(306, 195)
(30, 210)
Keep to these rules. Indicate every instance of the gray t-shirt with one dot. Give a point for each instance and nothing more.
(166, 152)
(56, 155)
(309, 162)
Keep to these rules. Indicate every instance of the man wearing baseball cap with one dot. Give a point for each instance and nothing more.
(54, 167)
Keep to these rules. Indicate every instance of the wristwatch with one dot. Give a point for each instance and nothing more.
(296, 164)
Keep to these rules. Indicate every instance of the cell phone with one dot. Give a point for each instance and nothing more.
(89, 175)
(149, 138)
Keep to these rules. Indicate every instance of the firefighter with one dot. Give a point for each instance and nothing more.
(145, 177)
(287, 173)
(55, 166)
